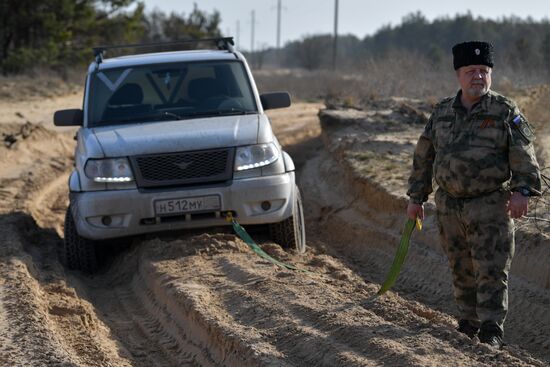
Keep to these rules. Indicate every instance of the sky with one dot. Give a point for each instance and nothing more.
(358, 17)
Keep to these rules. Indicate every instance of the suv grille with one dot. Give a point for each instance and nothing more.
(184, 168)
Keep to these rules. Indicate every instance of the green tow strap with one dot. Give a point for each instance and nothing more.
(400, 255)
(241, 232)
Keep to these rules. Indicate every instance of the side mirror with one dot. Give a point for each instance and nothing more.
(72, 117)
(275, 100)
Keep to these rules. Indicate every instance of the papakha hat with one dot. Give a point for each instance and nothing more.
(472, 53)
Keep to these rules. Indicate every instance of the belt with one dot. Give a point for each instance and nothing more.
(500, 189)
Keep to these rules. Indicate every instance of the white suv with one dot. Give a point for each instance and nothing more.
(176, 140)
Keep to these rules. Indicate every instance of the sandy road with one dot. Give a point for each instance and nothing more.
(204, 299)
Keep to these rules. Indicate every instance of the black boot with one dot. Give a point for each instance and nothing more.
(468, 328)
(491, 334)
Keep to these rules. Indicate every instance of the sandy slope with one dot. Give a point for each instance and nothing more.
(197, 298)
(426, 276)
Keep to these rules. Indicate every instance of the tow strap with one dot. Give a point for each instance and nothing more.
(241, 232)
(400, 255)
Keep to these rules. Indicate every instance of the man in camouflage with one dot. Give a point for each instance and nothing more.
(479, 148)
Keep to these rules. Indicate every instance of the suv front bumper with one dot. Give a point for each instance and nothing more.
(132, 212)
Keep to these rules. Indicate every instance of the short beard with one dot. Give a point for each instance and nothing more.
(475, 92)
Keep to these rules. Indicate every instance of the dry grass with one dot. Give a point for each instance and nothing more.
(373, 164)
(401, 74)
(41, 84)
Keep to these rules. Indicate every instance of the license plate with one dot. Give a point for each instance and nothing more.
(187, 205)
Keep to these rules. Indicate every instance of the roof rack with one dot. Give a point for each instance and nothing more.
(223, 43)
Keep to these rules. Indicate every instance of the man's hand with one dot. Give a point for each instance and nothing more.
(517, 205)
(415, 211)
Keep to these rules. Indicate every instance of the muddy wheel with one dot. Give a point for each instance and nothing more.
(79, 253)
(291, 232)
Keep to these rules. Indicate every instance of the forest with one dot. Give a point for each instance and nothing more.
(58, 33)
(519, 43)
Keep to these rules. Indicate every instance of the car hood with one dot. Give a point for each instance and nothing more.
(176, 136)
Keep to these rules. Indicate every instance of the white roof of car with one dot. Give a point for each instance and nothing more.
(166, 57)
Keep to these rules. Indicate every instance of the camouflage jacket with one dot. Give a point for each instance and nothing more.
(477, 153)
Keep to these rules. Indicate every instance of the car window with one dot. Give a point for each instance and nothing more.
(169, 91)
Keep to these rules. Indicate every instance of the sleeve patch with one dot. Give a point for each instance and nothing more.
(522, 126)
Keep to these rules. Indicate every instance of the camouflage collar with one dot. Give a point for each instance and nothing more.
(457, 103)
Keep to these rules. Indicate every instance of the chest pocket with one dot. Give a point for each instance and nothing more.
(443, 131)
(489, 132)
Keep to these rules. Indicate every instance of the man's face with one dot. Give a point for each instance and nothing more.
(474, 80)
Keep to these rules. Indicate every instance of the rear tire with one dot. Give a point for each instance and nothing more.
(79, 253)
(290, 233)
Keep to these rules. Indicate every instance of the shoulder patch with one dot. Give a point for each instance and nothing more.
(520, 124)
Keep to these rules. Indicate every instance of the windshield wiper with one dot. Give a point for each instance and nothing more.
(170, 114)
(157, 116)
(226, 112)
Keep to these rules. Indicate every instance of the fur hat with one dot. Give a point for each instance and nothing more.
(472, 53)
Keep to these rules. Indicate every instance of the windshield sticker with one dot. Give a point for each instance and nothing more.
(113, 86)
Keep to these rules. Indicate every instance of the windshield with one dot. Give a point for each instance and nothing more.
(169, 92)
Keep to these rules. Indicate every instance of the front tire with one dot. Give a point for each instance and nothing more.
(290, 233)
(79, 253)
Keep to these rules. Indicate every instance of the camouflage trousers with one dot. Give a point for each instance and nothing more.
(478, 238)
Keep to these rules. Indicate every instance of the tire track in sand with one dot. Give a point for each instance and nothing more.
(344, 325)
(43, 319)
(47, 205)
(154, 322)
(142, 325)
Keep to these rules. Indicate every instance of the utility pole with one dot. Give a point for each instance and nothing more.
(335, 44)
(278, 24)
(280, 8)
(253, 23)
(279, 32)
(238, 34)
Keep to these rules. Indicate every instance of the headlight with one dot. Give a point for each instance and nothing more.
(109, 170)
(255, 156)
